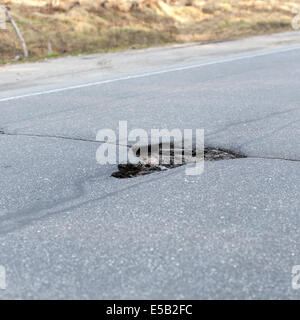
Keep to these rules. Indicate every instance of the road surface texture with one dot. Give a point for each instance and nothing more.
(70, 230)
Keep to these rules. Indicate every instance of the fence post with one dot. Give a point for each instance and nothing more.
(18, 32)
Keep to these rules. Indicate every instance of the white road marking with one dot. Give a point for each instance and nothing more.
(149, 74)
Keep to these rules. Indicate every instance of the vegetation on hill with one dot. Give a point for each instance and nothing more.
(55, 27)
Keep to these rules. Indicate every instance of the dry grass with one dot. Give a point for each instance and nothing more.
(69, 26)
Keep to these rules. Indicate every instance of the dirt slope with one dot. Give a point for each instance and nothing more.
(52, 27)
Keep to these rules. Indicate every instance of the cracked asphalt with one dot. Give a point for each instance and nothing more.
(68, 230)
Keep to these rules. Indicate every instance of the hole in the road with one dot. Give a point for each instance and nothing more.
(154, 158)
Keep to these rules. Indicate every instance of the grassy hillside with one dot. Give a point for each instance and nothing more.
(56, 27)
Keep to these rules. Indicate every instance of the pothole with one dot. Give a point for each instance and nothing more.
(154, 158)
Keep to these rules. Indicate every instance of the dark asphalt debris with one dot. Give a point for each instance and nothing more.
(130, 170)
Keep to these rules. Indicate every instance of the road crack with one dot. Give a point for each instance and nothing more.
(2, 132)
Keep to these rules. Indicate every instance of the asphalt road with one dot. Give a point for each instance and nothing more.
(70, 230)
